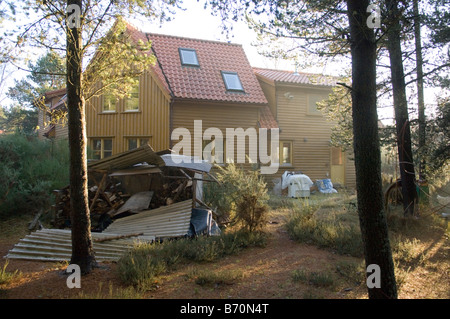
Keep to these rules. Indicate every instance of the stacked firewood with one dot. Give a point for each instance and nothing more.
(172, 191)
(101, 203)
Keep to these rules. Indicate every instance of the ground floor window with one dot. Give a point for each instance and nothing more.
(101, 147)
(135, 142)
(285, 152)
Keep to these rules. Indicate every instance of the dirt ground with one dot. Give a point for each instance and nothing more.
(267, 274)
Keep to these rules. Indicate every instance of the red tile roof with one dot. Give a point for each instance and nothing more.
(290, 77)
(266, 118)
(205, 82)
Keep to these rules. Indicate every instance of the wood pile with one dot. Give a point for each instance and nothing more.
(172, 191)
(101, 203)
(107, 200)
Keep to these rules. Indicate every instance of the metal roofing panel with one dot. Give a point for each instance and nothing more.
(166, 221)
(127, 159)
(56, 245)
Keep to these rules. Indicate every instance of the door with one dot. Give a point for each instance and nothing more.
(337, 166)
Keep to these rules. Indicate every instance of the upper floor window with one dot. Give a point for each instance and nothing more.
(132, 101)
(188, 57)
(232, 81)
(109, 102)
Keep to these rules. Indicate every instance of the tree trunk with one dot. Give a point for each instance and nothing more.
(82, 250)
(406, 163)
(367, 150)
(420, 97)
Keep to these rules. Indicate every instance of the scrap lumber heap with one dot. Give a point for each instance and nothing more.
(138, 195)
(109, 199)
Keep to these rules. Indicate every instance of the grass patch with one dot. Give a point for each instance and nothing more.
(314, 278)
(215, 278)
(112, 293)
(313, 224)
(142, 265)
(7, 276)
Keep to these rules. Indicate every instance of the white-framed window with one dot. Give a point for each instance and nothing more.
(101, 147)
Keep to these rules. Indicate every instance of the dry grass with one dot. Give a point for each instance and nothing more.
(420, 251)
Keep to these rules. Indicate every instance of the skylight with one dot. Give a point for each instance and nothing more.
(188, 57)
(232, 81)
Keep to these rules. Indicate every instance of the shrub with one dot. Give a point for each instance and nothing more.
(241, 196)
(30, 170)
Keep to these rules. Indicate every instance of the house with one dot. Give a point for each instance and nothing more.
(49, 126)
(304, 131)
(199, 89)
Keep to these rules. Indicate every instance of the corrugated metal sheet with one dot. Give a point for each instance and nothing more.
(56, 245)
(127, 159)
(167, 221)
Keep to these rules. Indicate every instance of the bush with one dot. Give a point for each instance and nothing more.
(30, 170)
(241, 196)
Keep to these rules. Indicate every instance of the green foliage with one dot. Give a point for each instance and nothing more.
(18, 119)
(46, 74)
(338, 109)
(6, 276)
(241, 195)
(304, 226)
(30, 170)
(145, 262)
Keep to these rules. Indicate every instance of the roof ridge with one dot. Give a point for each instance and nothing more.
(190, 38)
(291, 72)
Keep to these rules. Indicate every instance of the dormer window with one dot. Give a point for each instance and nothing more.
(188, 57)
(232, 81)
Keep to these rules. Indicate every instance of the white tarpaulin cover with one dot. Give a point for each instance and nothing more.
(302, 180)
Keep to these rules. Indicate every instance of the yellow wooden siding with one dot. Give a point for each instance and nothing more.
(309, 133)
(61, 131)
(150, 121)
(215, 116)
